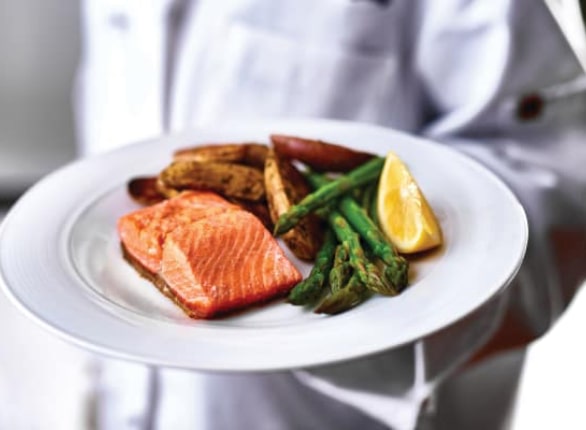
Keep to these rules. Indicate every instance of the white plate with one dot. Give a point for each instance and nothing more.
(61, 263)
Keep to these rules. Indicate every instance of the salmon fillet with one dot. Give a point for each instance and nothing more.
(206, 254)
(143, 231)
(225, 262)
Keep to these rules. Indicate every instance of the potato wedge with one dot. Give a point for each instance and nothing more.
(249, 154)
(319, 155)
(164, 190)
(285, 186)
(144, 191)
(230, 180)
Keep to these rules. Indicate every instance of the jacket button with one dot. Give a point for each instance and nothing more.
(530, 107)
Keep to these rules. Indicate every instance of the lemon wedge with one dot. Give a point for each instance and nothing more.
(404, 214)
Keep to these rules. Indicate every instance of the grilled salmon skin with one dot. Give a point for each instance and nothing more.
(206, 254)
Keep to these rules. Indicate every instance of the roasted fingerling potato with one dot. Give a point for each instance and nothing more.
(248, 154)
(231, 180)
(144, 191)
(285, 186)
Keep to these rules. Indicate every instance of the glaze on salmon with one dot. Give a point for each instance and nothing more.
(206, 254)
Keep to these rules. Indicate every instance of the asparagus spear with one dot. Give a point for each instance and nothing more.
(368, 202)
(341, 270)
(361, 175)
(367, 196)
(344, 299)
(367, 272)
(397, 267)
(310, 289)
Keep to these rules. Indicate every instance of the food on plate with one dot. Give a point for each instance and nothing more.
(164, 190)
(351, 295)
(341, 269)
(233, 180)
(248, 154)
(204, 237)
(209, 256)
(143, 232)
(403, 211)
(367, 200)
(319, 155)
(286, 186)
(393, 266)
(361, 175)
(364, 275)
(310, 289)
(254, 269)
(144, 190)
(258, 209)
(149, 190)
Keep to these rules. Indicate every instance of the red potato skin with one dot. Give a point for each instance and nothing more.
(319, 155)
(144, 191)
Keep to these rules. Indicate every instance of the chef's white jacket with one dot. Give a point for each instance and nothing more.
(500, 80)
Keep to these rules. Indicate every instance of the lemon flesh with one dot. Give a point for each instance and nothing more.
(404, 214)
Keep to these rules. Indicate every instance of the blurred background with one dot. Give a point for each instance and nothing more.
(39, 51)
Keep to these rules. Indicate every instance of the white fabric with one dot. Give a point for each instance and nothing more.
(551, 386)
(569, 17)
(454, 71)
(391, 387)
(44, 382)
